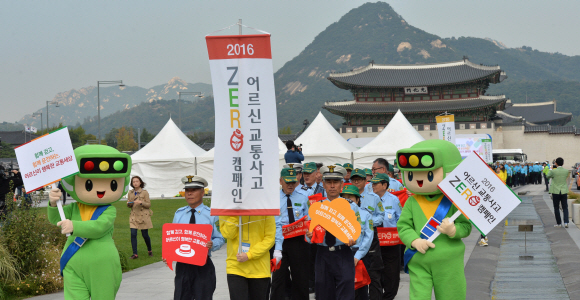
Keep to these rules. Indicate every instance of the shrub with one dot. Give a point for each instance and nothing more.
(46, 280)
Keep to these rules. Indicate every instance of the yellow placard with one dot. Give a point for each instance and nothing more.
(443, 119)
(336, 217)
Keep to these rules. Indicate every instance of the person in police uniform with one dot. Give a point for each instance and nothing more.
(334, 259)
(196, 282)
(348, 167)
(382, 166)
(373, 261)
(293, 252)
(298, 168)
(310, 187)
(369, 174)
(391, 255)
(364, 243)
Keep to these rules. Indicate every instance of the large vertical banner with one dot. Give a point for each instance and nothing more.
(446, 127)
(246, 175)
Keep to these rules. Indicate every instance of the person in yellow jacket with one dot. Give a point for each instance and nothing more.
(501, 173)
(248, 270)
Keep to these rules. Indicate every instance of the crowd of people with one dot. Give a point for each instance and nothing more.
(270, 265)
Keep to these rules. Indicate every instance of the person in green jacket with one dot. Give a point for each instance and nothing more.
(559, 191)
(545, 170)
(434, 266)
(90, 263)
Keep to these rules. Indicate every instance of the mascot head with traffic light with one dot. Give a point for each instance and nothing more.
(426, 163)
(103, 176)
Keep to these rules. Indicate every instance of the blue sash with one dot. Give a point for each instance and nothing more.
(429, 228)
(79, 241)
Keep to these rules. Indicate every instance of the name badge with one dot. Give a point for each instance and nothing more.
(245, 247)
(390, 216)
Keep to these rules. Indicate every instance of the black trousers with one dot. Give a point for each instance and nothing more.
(194, 282)
(556, 200)
(547, 182)
(334, 273)
(242, 288)
(145, 234)
(295, 254)
(313, 250)
(391, 273)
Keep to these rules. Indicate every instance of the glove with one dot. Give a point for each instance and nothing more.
(66, 226)
(278, 256)
(422, 245)
(54, 196)
(447, 227)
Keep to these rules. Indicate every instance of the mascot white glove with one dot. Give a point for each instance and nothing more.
(66, 226)
(278, 256)
(54, 196)
(447, 227)
(422, 245)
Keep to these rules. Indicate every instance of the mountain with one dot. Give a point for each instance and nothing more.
(196, 116)
(374, 31)
(370, 32)
(79, 106)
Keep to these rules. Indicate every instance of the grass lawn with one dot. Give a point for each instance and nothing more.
(163, 211)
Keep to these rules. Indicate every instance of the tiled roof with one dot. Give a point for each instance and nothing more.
(375, 75)
(16, 138)
(539, 113)
(414, 106)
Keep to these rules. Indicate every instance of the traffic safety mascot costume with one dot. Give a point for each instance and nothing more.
(90, 263)
(437, 265)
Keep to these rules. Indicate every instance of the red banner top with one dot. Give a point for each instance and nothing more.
(239, 46)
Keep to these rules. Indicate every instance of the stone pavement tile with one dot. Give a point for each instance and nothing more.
(564, 246)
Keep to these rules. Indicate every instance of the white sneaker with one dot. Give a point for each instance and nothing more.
(566, 225)
(558, 226)
(482, 243)
(486, 240)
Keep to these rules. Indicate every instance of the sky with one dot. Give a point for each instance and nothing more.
(47, 47)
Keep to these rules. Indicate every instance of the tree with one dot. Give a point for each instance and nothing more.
(201, 138)
(6, 150)
(146, 136)
(125, 140)
(111, 138)
(286, 130)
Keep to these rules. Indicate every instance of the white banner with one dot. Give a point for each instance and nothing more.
(446, 128)
(480, 143)
(46, 159)
(479, 193)
(246, 170)
(30, 129)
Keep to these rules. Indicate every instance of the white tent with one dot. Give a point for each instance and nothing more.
(360, 142)
(205, 163)
(165, 160)
(398, 134)
(321, 143)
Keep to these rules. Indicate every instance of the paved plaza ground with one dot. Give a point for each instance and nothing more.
(548, 268)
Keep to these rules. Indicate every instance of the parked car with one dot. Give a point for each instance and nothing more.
(577, 181)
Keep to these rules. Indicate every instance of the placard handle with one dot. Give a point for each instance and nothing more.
(437, 233)
(61, 212)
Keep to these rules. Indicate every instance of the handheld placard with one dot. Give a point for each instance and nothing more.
(61, 212)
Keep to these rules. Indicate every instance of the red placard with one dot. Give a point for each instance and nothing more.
(295, 229)
(239, 46)
(388, 236)
(186, 243)
(315, 198)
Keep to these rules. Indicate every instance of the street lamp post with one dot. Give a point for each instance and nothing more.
(197, 94)
(118, 82)
(47, 103)
(36, 114)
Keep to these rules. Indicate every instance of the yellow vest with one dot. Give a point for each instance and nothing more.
(260, 234)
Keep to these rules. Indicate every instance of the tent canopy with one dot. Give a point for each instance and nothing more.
(322, 143)
(398, 134)
(165, 160)
(170, 144)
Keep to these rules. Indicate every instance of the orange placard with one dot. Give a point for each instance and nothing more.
(337, 217)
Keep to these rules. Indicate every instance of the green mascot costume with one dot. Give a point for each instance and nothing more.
(437, 265)
(90, 263)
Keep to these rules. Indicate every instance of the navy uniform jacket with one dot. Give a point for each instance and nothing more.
(202, 216)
